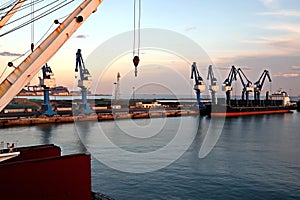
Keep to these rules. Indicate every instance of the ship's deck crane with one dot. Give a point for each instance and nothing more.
(10, 13)
(227, 84)
(46, 82)
(258, 85)
(85, 83)
(213, 84)
(247, 87)
(199, 84)
(23, 73)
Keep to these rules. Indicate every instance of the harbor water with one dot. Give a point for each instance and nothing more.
(255, 157)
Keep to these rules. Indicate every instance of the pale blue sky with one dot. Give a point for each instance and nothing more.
(254, 34)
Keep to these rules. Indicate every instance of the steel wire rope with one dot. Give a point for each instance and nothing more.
(38, 40)
(7, 5)
(27, 5)
(134, 28)
(23, 6)
(3, 71)
(36, 18)
(35, 11)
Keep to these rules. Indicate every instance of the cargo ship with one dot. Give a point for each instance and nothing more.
(42, 172)
(275, 103)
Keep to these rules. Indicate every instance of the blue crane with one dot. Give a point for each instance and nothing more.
(258, 85)
(46, 82)
(213, 84)
(199, 84)
(227, 84)
(247, 87)
(84, 83)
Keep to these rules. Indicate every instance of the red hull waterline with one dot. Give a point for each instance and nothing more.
(237, 114)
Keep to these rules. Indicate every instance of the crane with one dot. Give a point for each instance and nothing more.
(46, 82)
(247, 87)
(199, 84)
(84, 83)
(227, 84)
(10, 13)
(23, 73)
(213, 84)
(258, 85)
(117, 87)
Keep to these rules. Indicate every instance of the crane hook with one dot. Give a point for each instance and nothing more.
(136, 60)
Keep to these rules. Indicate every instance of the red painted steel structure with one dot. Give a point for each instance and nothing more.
(41, 173)
(237, 114)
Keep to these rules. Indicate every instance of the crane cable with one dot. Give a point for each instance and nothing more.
(32, 26)
(47, 12)
(136, 47)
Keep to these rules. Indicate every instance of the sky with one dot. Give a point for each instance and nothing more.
(252, 34)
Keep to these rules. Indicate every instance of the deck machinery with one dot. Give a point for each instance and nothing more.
(213, 84)
(258, 85)
(84, 83)
(247, 86)
(199, 84)
(227, 84)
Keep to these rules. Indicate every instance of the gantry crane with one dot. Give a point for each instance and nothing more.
(46, 82)
(213, 84)
(199, 84)
(10, 13)
(227, 84)
(23, 73)
(84, 83)
(247, 87)
(258, 85)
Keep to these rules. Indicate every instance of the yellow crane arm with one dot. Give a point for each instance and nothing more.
(10, 13)
(22, 74)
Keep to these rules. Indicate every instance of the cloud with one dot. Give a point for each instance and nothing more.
(288, 75)
(267, 2)
(284, 27)
(190, 28)
(282, 13)
(81, 36)
(295, 68)
(6, 53)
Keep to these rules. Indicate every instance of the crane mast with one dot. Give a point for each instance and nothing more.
(23, 73)
(258, 85)
(47, 82)
(247, 87)
(117, 87)
(227, 84)
(10, 13)
(199, 84)
(84, 83)
(213, 84)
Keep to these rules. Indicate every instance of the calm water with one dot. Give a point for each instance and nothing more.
(254, 158)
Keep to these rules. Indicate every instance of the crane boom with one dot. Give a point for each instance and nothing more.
(213, 84)
(227, 84)
(199, 84)
(22, 74)
(258, 85)
(247, 87)
(10, 13)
